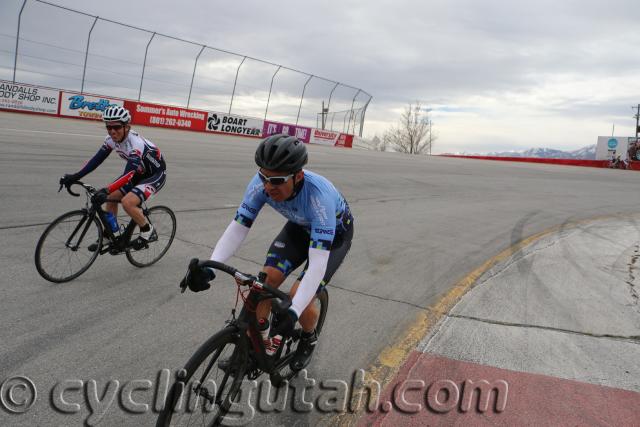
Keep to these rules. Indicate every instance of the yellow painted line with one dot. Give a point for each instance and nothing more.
(388, 363)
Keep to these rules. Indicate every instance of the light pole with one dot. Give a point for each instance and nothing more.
(637, 117)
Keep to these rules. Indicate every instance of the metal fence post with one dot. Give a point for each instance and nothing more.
(351, 110)
(302, 97)
(364, 110)
(144, 64)
(271, 87)
(194, 75)
(329, 103)
(15, 59)
(86, 55)
(234, 83)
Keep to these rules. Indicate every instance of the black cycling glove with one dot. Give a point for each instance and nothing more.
(197, 278)
(68, 179)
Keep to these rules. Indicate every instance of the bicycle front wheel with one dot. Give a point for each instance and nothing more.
(163, 221)
(209, 384)
(62, 253)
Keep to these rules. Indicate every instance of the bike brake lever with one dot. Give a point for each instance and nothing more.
(193, 265)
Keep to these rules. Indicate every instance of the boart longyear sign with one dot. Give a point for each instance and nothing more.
(235, 125)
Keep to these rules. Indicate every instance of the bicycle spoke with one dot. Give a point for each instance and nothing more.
(59, 261)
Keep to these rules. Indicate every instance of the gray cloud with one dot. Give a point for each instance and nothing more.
(446, 52)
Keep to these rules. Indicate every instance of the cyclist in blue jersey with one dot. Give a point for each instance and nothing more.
(319, 231)
(143, 176)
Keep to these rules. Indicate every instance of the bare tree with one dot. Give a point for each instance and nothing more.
(378, 144)
(413, 134)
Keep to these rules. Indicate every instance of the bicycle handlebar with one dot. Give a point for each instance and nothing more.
(245, 279)
(87, 187)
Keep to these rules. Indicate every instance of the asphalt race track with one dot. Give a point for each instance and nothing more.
(422, 224)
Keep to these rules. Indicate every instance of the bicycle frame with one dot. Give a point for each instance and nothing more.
(118, 244)
(247, 324)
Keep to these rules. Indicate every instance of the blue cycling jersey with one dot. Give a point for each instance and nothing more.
(318, 207)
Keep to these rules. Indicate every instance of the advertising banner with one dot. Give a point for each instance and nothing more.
(345, 140)
(234, 125)
(301, 132)
(169, 117)
(28, 98)
(85, 106)
(332, 138)
(610, 147)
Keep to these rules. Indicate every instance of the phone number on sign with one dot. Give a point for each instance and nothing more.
(167, 121)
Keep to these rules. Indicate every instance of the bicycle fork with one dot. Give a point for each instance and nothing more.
(86, 221)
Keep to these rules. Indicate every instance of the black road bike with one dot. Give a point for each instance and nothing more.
(73, 241)
(210, 383)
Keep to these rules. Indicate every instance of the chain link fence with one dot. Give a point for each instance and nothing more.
(58, 47)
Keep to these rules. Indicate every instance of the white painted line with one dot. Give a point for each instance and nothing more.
(48, 131)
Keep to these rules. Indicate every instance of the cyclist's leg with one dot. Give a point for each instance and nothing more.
(287, 252)
(339, 250)
(142, 191)
(112, 206)
(309, 317)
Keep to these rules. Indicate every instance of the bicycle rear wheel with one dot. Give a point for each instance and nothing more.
(285, 373)
(163, 221)
(203, 395)
(62, 252)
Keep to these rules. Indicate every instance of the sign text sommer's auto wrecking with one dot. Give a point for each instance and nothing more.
(28, 98)
(235, 125)
(164, 116)
(85, 106)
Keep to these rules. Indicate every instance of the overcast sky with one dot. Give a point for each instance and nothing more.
(498, 75)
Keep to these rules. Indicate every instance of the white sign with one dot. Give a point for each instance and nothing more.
(324, 137)
(236, 125)
(610, 147)
(28, 98)
(86, 106)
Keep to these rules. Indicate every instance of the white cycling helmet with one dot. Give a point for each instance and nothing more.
(115, 113)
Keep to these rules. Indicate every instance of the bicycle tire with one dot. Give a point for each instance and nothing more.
(198, 369)
(64, 226)
(323, 297)
(159, 217)
(285, 373)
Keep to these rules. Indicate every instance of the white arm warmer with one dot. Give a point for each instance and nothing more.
(318, 260)
(229, 242)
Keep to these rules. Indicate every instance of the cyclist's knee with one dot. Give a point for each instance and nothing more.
(275, 277)
(130, 201)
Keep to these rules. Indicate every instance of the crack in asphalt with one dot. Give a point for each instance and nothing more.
(634, 339)
(632, 277)
(10, 227)
(328, 285)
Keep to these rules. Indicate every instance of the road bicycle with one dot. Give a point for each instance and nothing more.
(73, 241)
(210, 383)
(618, 163)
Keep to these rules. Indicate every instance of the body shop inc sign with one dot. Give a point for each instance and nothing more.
(28, 98)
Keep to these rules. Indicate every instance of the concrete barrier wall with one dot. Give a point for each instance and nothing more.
(50, 101)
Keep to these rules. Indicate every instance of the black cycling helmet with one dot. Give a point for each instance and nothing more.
(282, 153)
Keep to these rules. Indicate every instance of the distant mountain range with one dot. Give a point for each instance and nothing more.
(588, 153)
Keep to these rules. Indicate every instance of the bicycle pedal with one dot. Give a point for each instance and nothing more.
(139, 244)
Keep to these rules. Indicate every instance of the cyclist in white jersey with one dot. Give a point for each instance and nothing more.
(143, 176)
(319, 231)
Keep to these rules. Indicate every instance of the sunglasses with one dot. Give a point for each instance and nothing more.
(274, 180)
(114, 127)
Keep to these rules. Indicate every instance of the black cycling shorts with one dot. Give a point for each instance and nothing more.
(291, 248)
(145, 188)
